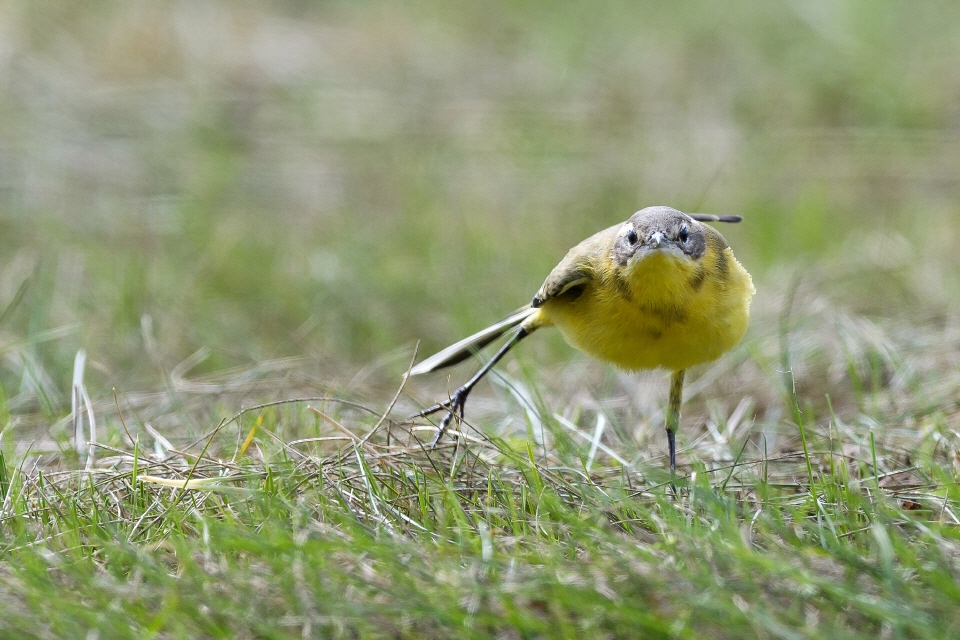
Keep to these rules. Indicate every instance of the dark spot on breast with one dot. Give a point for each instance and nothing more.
(656, 335)
(723, 269)
(698, 278)
(667, 314)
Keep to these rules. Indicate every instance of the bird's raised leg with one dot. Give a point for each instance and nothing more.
(454, 406)
(673, 415)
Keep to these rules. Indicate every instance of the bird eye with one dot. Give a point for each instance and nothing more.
(684, 233)
(632, 237)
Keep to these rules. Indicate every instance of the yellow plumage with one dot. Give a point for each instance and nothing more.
(667, 323)
(661, 290)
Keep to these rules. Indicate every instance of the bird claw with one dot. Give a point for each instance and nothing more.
(430, 410)
(453, 407)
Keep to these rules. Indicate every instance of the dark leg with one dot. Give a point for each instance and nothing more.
(454, 406)
(672, 443)
(673, 415)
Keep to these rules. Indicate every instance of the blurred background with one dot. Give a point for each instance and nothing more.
(245, 182)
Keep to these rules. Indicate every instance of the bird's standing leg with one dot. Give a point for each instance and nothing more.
(454, 406)
(673, 415)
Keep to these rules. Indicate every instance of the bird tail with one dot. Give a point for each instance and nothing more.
(468, 346)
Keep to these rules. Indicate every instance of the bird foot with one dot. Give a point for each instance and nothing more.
(453, 407)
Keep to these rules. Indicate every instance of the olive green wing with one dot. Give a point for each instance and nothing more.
(578, 268)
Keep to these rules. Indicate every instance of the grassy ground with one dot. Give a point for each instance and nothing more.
(229, 205)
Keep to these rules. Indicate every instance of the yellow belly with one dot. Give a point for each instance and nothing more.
(657, 318)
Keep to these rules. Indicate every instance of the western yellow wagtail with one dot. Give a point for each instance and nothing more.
(661, 290)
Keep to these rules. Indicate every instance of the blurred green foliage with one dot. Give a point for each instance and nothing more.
(339, 180)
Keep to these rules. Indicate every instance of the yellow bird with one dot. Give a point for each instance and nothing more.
(661, 290)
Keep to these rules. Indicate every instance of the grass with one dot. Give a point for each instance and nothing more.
(238, 205)
(322, 517)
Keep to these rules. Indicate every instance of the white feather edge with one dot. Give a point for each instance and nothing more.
(440, 357)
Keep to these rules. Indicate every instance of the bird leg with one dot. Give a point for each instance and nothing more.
(673, 415)
(454, 406)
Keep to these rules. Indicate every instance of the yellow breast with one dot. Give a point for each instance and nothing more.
(663, 311)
